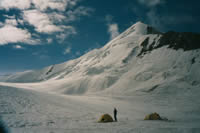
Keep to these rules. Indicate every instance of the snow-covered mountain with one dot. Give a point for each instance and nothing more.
(141, 59)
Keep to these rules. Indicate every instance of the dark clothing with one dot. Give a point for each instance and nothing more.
(115, 114)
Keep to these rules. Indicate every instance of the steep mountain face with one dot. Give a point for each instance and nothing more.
(186, 41)
(141, 59)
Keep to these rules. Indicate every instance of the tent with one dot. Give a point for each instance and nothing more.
(105, 118)
(153, 116)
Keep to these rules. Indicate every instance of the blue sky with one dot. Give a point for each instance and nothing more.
(38, 33)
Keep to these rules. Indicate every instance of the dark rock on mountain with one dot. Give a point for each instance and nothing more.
(175, 40)
(184, 40)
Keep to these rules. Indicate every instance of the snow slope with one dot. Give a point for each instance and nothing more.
(27, 111)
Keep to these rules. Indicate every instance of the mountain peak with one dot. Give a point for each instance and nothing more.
(142, 29)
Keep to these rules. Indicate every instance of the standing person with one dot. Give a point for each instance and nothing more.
(115, 114)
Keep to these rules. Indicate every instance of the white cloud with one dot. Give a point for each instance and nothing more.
(12, 34)
(45, 22)
(20, 4)
(73, 15)
(56, 17)
(83, 11)
(37, 14)
(68, 30)
(40, 21)
(60, 5)
(67, 50)
(18, 47)
(44, 4)
(61, 37)
(113, 30)
(151, 3)
(154, 19)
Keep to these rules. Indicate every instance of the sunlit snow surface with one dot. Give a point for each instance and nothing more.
(25, 111)
(70, 97)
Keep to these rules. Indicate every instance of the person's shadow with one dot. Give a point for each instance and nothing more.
(3, 128)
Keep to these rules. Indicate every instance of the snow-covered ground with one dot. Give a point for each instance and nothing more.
(28, 111)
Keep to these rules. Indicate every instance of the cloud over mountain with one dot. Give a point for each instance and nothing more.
(39, 17)
(40, 21)
(12, 34)
(113, 29)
